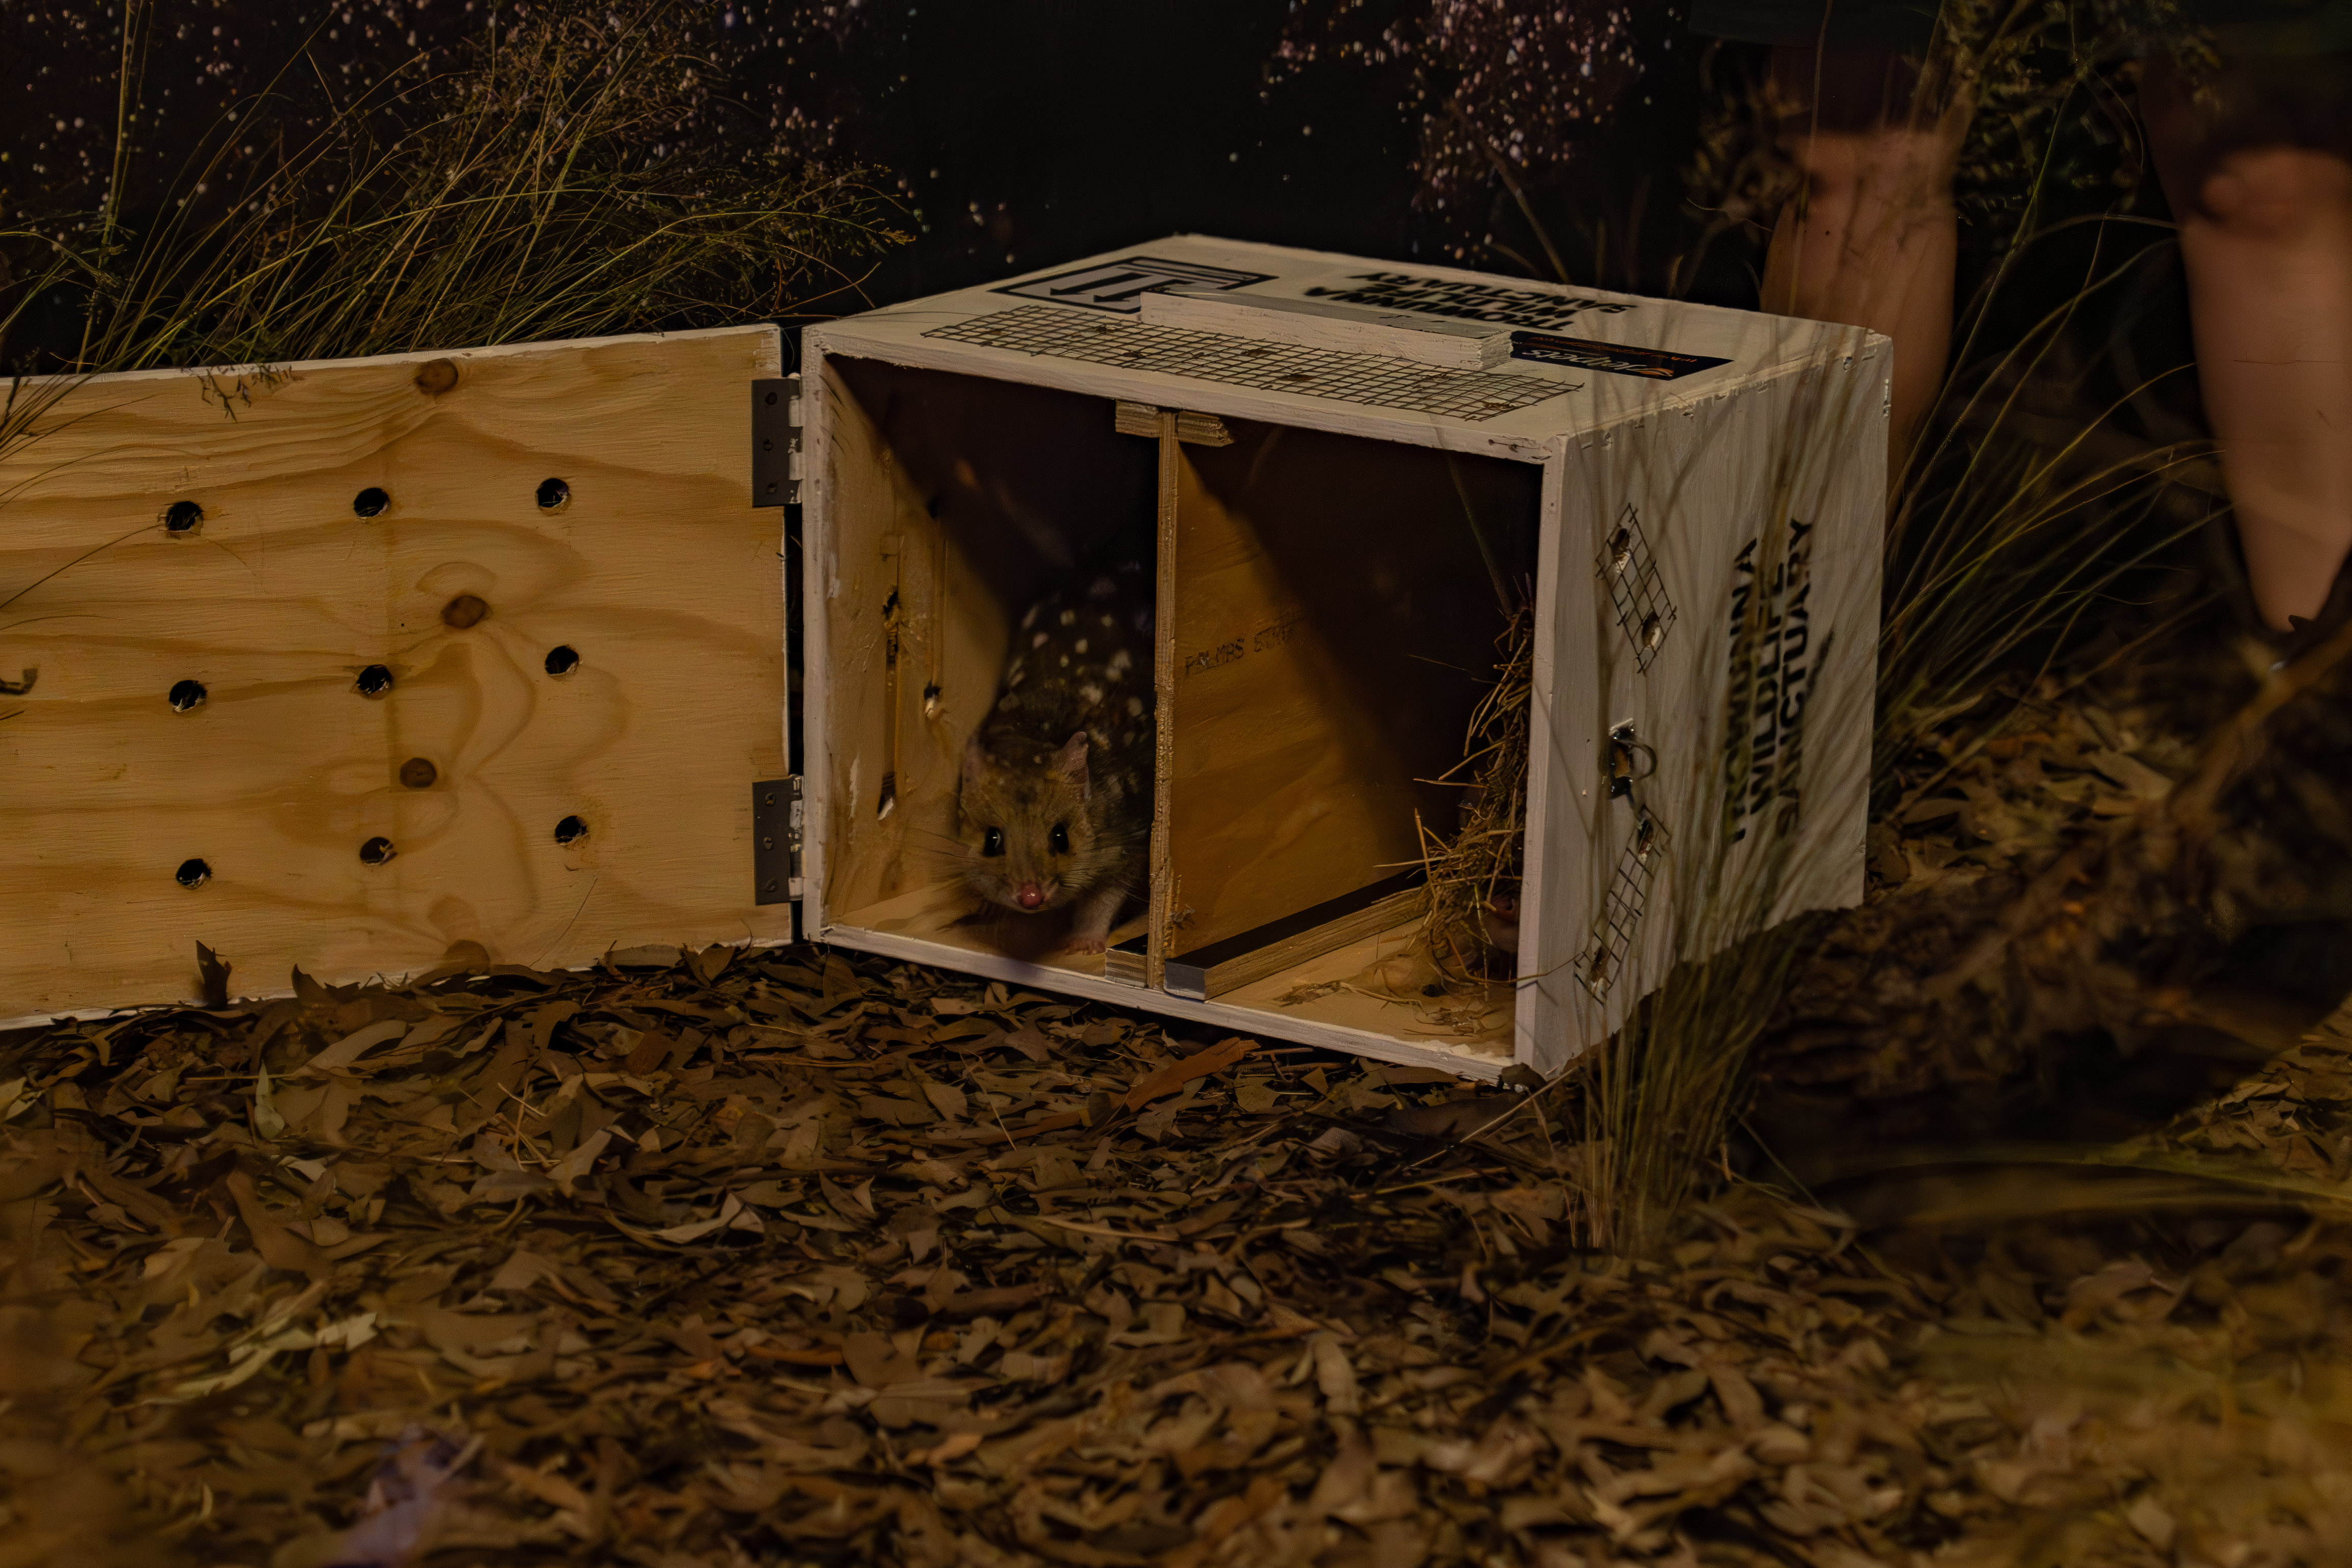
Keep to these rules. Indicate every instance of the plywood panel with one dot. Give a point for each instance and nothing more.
(1392, 1032)
(656, 569)
(1375, 985)
(940, 913)
(1761, 510)
(878, 575)
(1080, 324)
(1336, 602)
(950, 503)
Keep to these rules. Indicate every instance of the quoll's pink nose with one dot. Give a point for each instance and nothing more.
(1032, 896)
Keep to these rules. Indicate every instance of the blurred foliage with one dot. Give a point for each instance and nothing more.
(559, 173)
(1505, 90)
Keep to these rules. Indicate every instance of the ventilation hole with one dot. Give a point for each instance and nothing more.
(571, 830)
(465, 610)
(1643, 837)
(1654, 632)
(187, 696)
(552, 493)
(376, 851)
(562, 659)
(184, 518)
(372, 681)
(418, 773)
(1620, 550)
(437, 376)
(193, 874)
(371, 502)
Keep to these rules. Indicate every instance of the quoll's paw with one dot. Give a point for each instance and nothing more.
(1084, 945)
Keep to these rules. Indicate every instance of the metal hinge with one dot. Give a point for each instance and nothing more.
(776, 441)
(776, 840)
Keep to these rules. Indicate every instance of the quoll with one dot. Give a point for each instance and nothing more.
(1053, 809)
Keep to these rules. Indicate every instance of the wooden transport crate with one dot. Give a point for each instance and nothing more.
(341, 665)
(1337, 463)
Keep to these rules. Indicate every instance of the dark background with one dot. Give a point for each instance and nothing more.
(1019, 134)
(1015, 133)
(1038, 130)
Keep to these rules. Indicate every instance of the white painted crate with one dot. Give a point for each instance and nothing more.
(1337, 457)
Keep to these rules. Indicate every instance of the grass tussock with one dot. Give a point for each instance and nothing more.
(1473, 873)
(2029, 518)
(2038, 536)
(557, 178)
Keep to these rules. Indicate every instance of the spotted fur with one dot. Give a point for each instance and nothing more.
(1067, 746)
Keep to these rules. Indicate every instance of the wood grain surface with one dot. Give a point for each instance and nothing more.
(298, 589)
(1333, 628)
(948, 503)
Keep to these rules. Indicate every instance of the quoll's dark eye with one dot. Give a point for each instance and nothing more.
(1061, 839)
(993, 842)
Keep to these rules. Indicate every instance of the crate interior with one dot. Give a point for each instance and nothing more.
(959, 499)
(1337, 601)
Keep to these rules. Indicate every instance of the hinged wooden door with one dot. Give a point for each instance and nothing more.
(340, 665)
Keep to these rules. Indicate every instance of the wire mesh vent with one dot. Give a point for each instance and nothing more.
(1377, 380)
(1635, 588)
(1629, 895)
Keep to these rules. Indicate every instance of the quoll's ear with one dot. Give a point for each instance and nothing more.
(1071, 763)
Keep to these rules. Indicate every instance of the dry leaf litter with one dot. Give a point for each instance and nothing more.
(784, 1256)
